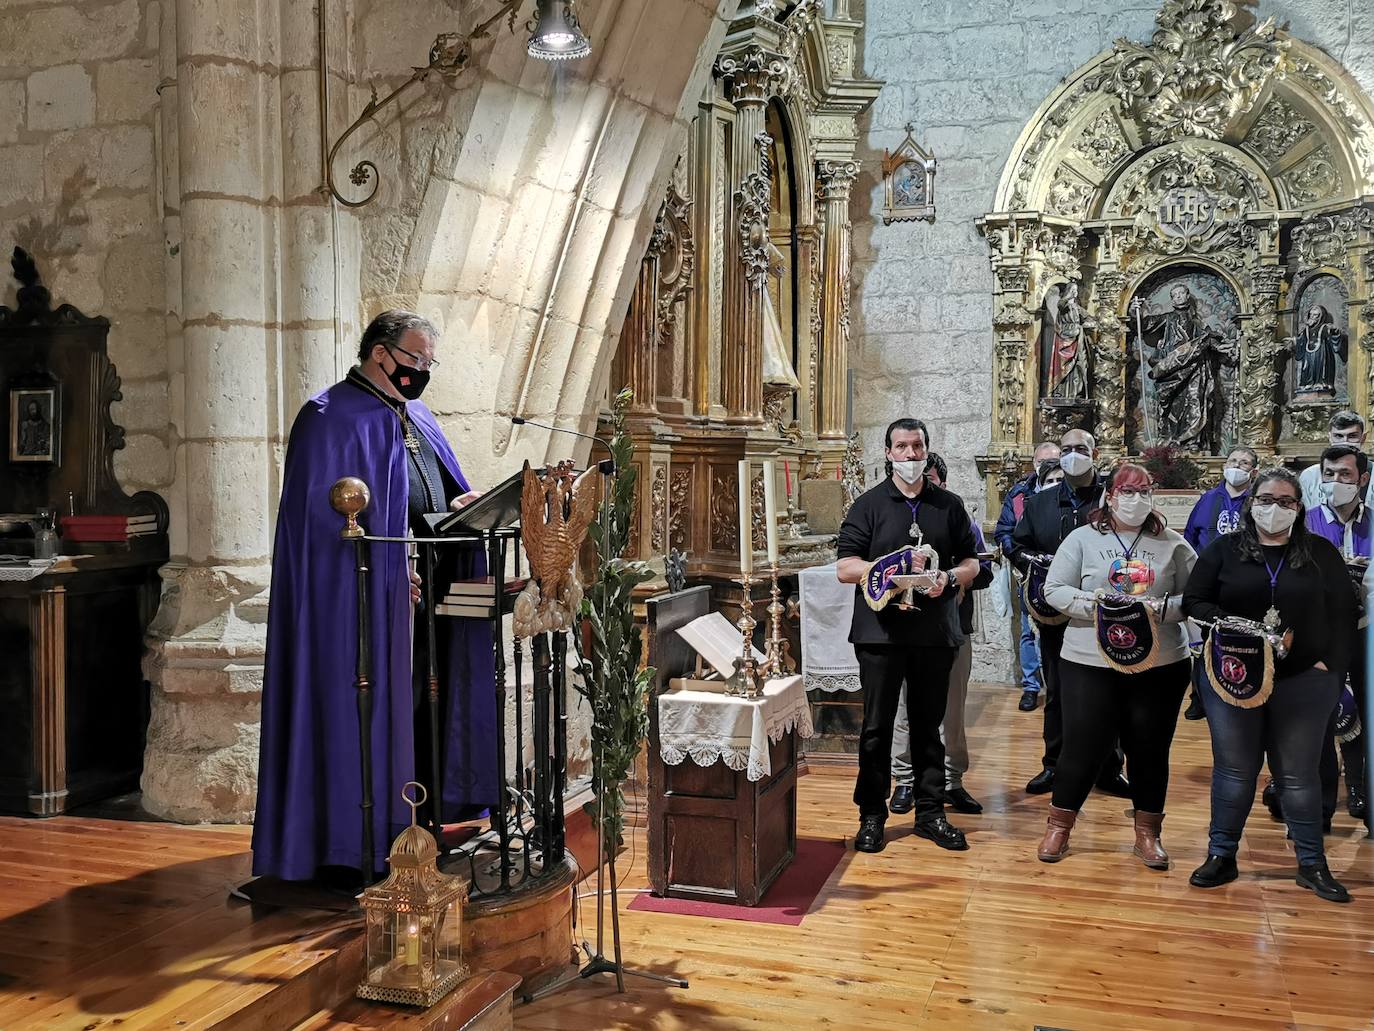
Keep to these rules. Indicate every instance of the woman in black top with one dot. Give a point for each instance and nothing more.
(1272, 562)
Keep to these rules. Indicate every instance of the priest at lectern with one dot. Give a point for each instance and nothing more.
(371, 426)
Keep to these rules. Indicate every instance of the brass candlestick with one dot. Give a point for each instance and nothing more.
(745, 684)
(772, 664)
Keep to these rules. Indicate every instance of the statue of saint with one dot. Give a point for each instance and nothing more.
(1187, 373)
(1316, 349)
(1062, 344)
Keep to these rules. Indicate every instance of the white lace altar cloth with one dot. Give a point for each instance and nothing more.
(712, 727)
(827, 606)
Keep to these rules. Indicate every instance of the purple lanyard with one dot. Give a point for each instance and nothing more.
(1274, 577)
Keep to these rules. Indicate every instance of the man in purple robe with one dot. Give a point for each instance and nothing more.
(372, 426)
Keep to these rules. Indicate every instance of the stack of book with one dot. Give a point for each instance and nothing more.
(107, 528)
(474, 599)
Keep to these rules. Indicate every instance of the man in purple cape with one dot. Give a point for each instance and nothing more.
(309, 780)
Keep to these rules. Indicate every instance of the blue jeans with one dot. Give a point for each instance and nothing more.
(1291, 727)
(1030, 656)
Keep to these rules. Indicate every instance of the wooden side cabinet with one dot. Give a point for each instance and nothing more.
(71, 681)
(714, 835)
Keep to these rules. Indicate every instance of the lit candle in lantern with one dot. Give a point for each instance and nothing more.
(413, 946)
(746, 530)
(770, 510)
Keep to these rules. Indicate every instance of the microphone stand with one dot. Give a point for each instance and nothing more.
(597, 963)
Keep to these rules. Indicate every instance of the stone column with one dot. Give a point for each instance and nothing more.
(833, 181)
(257, 335)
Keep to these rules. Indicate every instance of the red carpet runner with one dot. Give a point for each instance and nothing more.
(786, 902)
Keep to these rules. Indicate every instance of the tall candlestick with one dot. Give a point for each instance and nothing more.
(746, 512)
(787, 475)
(770, 510)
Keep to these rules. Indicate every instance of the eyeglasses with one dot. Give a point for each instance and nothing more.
(421, 364)
(1288, 504)
(1135, 492)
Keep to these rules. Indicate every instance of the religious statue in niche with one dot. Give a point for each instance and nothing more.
(1187, 345)
(1064, 355)
(779, 378)
(1321, 346)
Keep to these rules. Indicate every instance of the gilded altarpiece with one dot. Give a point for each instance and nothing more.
(737, 335)
(1182, 249)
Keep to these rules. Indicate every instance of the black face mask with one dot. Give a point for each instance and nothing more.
(409, 383)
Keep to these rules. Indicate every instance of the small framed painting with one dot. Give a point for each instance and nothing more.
(35, 425)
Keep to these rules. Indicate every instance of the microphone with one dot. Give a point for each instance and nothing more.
(606, 465)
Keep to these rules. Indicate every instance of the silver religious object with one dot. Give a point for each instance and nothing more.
(744, 683)
(772, 664)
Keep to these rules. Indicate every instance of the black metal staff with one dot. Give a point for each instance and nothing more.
(496, 557)
(560, 738)
(436, 763)
(349, 496)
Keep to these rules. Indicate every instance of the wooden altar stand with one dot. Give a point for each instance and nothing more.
(714, 835)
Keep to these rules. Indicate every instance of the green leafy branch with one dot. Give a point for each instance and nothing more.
(618, 686)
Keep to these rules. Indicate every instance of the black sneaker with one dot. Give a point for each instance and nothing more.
(1029, 700)
(1195, 711)
(962, 802)
(1042, 783)
(870, 837)
(1270, 798)
(939, 831)
(1116, 785)
(1317, 877)
(1218, 870)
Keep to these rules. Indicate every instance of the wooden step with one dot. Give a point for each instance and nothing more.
(481, 1003)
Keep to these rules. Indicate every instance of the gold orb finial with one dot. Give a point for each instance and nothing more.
(349, 496)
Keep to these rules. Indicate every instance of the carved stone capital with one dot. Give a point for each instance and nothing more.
(754, 75)
(834, 179)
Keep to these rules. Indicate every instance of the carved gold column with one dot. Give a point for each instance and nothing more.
(1261, 345)
(809, 294)
(48, 637)
(1109, 362)
(833, 181)
(753, 76)
(638, 338)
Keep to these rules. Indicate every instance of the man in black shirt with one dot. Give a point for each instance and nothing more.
(1048, 518)
(918, 645)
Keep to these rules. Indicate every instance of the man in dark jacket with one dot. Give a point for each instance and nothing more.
(1049, 517)
(952, 730)
(1013, 505)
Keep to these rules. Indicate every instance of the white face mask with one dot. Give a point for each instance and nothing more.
(1075, 464)
(910, 472)
(1132, 511)
(1274, 519)
(1338, 494)
(1236, 477)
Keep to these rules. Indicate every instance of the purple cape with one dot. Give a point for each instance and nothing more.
(309, 774)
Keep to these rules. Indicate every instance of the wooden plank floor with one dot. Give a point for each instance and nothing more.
(112, 923)
(916, 937)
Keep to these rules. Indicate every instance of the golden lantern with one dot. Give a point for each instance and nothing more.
(414, 922)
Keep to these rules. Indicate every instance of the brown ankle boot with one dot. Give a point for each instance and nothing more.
(1055, 845)
(1147, 843)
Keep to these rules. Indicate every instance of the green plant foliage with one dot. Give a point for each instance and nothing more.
(618, 687)
(1171, 468)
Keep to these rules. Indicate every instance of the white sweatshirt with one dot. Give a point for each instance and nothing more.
(1090, 560)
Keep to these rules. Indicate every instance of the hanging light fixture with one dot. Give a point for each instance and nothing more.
(556, 35)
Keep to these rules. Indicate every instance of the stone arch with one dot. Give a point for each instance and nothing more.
(523, 203)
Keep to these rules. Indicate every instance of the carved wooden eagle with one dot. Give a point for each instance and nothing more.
(554, 517)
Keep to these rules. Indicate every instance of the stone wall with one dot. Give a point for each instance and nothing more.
(79, 150)
(970, 75)
(163, 163)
